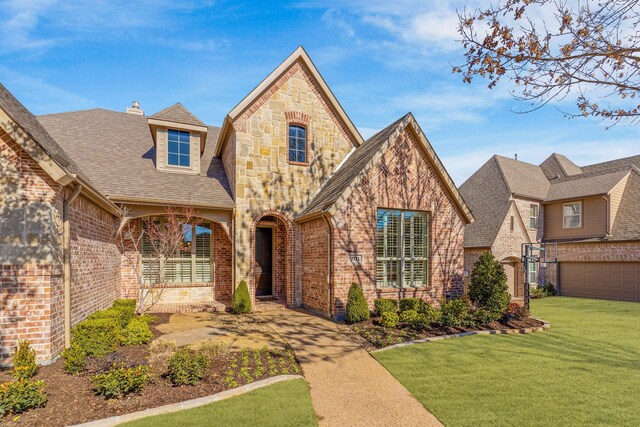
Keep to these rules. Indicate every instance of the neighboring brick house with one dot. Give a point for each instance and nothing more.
(586, 217)
(289, 196)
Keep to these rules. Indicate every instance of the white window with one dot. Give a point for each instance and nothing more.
(533, 216)
(190, 263)
(533, 274)
(402, 249)
(572, 215)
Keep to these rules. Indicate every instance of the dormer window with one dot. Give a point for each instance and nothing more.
(178, 148)
(297, 144)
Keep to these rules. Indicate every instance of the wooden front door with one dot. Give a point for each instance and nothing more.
(263, 269)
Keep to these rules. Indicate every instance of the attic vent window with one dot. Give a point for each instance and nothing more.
(178, 148)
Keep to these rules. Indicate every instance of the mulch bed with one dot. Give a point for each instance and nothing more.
(372, 336)
(72, 401)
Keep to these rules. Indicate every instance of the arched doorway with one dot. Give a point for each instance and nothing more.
(512, 268)
(272, 258)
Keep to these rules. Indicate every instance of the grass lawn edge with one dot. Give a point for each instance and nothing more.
(189, 404)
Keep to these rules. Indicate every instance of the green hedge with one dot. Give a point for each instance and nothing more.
(241, 299)
(383, 305)
(98, 336)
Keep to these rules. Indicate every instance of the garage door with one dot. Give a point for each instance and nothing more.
(606, 280)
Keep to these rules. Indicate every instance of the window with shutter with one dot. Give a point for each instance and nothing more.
(402, 249)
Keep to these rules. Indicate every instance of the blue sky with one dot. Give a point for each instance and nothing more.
(381, 59)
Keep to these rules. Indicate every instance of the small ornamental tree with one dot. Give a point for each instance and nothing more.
(357, 308)
(161, 240)
(241, 299)
(488, 286)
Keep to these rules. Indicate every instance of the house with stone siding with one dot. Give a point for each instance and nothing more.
(289, 198)
(585, 217)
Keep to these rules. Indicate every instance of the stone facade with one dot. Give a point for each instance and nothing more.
(403, 178)
(263, 178)
(31, 278)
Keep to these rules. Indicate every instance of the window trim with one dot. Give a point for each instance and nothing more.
(306, 143)
(169, 165)
(192, 258)
(534, 218)
(579, 215)
(401, 258)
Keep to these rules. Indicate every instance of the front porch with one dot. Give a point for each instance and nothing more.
(261, 304)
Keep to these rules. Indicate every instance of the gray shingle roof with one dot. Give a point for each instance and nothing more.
(177, 113)
(523, 179)
(487, 194)
(585, 185)
(633, 160)
(117, 151)
(32, 126)
(352, 166)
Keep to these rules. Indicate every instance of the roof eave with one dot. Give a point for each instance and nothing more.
(116, 198)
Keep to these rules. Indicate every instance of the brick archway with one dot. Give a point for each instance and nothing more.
(283, 254)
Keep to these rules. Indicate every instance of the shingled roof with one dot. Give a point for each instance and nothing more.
(362, 158)
(488, 192)
(117, 151)
(177, 113)
(32, 126)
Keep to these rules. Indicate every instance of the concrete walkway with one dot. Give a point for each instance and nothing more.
(348, 386)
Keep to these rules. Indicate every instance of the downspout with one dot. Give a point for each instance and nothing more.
(66, 240)
(232, 235)
(329, 246)
(608, 207)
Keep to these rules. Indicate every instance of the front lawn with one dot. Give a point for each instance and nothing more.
(585, 370)
(287, 403)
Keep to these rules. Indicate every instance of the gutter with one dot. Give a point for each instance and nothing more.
(67, 263)
(329, 246)
(162, 202)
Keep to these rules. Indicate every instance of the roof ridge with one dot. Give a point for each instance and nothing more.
(84, 110)
(182, 108)
(504, 178)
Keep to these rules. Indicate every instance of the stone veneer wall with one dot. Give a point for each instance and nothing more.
(264, 178)
(403, 178)
(31, 270)
(315, 291)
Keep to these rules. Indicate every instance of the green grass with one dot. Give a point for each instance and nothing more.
(287, 403)
(585, 370)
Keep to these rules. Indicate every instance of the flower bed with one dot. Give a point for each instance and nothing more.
(138, 377)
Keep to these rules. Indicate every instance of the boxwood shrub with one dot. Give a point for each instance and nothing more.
(383, 305)
(389, 319)
(415, 304)
(241, 299)
(357, 308)
(137, 332)
(97, 336)
(454, 313)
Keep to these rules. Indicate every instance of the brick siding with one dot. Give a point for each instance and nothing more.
(403, 178)
(314, 245)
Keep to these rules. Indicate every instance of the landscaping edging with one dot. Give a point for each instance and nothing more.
(188, 404)
(544, 327)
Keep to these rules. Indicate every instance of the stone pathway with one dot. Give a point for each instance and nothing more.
(348, 386)
(239, 332)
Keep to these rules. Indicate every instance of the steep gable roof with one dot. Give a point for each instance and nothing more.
(177, 113)
(557, 165)
(488, 195)
(32, 126)
(523, 179)
(336, 188)
(298, 55)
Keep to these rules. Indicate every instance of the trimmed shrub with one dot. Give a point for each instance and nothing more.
(389, 319)
(24, 361)
(488, 286)
(97, 337)
(454, 312)
(433, 314)
(241, 299)
(127, 303)
(127, 309)
(19, 396)
(187, 367)
(75, 359)
(538, 293)
(414, 319)
(357, 308)
(383, 305)
(119, 315)
(137, 332)
(549, 289)
(485, 316)
(120, 381)
(415, 304)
